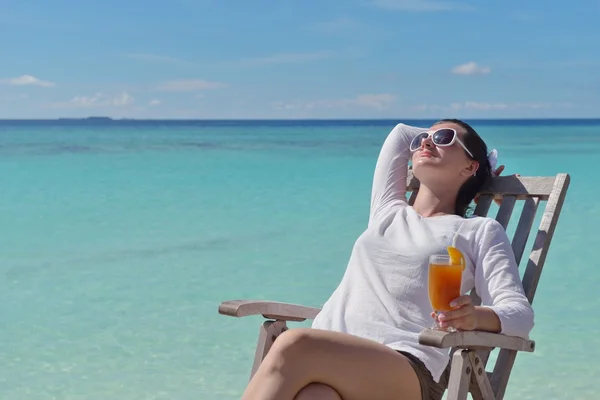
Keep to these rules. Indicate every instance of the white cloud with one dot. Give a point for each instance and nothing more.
(98, 100)
(287, 58)
(26, 80)
(154, 102)
(471, 68)
(189, 85)
(476, 105)
(156, 58)
(378, 102)
(421, 5)
(485, 106)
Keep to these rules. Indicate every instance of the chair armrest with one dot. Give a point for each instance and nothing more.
(268, 309)
(474, 339)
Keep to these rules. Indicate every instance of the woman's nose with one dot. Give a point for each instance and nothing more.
(427, 142)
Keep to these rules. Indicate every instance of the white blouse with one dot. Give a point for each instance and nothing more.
(383, 293)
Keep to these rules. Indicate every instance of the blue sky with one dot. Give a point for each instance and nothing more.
(299, 59)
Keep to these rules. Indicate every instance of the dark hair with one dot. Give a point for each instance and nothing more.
(474, 184)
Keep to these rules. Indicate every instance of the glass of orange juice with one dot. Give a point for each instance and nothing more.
(444, 285)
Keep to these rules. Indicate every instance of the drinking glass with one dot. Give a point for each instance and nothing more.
(444, 285)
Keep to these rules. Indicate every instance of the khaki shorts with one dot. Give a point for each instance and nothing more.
(430, 389)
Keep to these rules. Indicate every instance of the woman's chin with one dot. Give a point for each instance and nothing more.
(425, 164)
(423, 170)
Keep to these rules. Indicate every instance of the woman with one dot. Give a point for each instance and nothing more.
(364, 342)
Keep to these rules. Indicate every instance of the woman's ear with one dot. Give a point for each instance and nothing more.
(472, 168)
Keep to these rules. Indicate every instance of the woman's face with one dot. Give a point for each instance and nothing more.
(433, 163)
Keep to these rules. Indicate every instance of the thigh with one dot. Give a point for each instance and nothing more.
(355, 367)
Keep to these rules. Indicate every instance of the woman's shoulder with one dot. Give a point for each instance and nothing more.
(484, 225)
(486, 229)
(479, 221)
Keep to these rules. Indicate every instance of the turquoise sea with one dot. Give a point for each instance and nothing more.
(120, 239)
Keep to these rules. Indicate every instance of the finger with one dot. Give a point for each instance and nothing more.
(461, 301)
(456, 314)
(464, 323)
(499, 170)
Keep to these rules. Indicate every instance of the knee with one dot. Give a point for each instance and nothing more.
(293, 342)
(318, 391)
(290, 350)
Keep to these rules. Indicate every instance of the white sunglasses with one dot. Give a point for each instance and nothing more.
(442, 138)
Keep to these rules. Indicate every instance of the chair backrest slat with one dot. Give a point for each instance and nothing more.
(483, 205)
(521, 187)
(413, 196)
(505, 211)
(501, 373)
(524, 227)
(544, 235)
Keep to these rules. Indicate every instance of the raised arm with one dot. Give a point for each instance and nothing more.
(498, 283)
(389, 181)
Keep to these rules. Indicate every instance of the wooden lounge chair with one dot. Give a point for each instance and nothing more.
(469, 350)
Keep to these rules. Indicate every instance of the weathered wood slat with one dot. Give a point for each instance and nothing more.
(474, 389)
(269, 309)
(473, 339)
(524, 227)
(413, 196)
(267, 334)
(481, 209)
(476, 393)
(483, 205)
(521, 187)
(511, 185)
(412, 183)
(505, 211)
(460, 376)
(544, 235)
(484, 355)
(484, 386)
(501, 374)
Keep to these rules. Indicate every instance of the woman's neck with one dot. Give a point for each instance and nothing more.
(431, 203)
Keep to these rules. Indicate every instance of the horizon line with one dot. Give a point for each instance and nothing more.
(111, 119)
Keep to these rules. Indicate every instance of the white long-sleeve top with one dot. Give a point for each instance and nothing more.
(383, 293)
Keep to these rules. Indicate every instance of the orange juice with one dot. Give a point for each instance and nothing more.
(444, 285)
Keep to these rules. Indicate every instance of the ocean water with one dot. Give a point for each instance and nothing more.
(119, 240)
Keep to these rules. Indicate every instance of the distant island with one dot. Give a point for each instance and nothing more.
(97, 119)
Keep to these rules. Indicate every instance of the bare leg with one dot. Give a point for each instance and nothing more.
(354, 367)
(318, 391)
